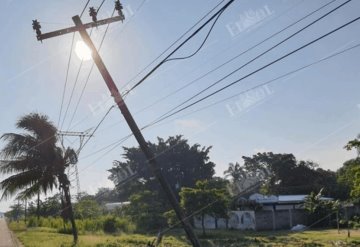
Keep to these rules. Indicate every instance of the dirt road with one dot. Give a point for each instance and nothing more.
(6, 239)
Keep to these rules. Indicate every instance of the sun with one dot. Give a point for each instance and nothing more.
(82, 51)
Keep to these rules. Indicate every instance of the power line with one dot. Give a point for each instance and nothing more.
(88, 76)
(140, 6)
(275, 79)
(77, 75)
(68, 66)
(176, 41)
(119, 142)
(233, 58)
(66, 78)
(255, 58)
(96, 128)
(92, 66)
(256, 71)
(202, 44)
(181, 45)
(82, 12)
(222, 51)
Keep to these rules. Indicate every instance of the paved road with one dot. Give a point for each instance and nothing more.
(5, 235)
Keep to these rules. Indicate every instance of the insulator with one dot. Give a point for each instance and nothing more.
(93, 14)
(118, 5)
(119, 8)
(36, 26)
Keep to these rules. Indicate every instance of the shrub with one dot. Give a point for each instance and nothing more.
(124, 225)
(107, 224)
(32, 222)
(110, 225)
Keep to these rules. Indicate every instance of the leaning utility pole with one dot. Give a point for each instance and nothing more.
(81, 28)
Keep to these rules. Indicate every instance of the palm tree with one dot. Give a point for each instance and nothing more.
(354, 144)
(35, 163)
(235, 171)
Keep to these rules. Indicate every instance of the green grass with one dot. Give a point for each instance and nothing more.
(44, 237)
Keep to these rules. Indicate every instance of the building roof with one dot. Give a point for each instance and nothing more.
(113, 205)
(281, 199)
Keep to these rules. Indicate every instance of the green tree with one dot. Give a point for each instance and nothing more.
(87, 208)
(283, 174)
(203, 200)
(319, 208)
(235, 172)
(51, 206)
(181, 164)
(146, 211)
(349, 174)
(105, 195)
(35, 163)
(16, 211)
(354, 144)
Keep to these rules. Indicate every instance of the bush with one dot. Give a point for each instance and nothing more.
(110, 225)
(124, 225)
(32, 222)
(171, 218)
(107, 224)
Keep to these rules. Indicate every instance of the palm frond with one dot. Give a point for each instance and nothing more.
(40, 126)
(18, 144)
(20, 165)
(18, 182)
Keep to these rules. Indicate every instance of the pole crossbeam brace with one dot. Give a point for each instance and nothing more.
(76, 28)
(73, 133)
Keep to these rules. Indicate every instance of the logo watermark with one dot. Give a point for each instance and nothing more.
(249, 19)
(248, 100)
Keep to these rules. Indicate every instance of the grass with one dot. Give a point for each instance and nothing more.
(44, 237)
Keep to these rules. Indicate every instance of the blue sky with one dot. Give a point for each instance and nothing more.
(311, 114)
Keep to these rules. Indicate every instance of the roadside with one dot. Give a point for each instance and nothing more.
(7, 239)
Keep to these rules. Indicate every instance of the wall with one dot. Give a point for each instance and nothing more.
(260, 220)
(279, 219)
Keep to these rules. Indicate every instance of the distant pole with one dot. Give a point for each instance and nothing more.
(337, 221)
(25, 210)
(348, 225)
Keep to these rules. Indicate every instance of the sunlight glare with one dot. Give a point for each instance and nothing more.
(82, 51)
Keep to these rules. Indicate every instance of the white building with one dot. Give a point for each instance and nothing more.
(114, 205)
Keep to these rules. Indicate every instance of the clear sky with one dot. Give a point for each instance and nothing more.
(312, 113)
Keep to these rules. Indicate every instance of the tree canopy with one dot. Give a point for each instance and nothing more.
(181, 164)
(283, 174)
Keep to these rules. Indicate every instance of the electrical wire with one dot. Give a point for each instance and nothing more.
(96, 128)
(169, 47)
(255, 58)
(119, 142)
(273, 80)
(218, 67)
(88, 76)
(179, 46)
(77, 75)
(233, 58)
(66, 78)
(237, 56)
(202, 44)
(68, 66)
(257, 70)
(82, 12)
